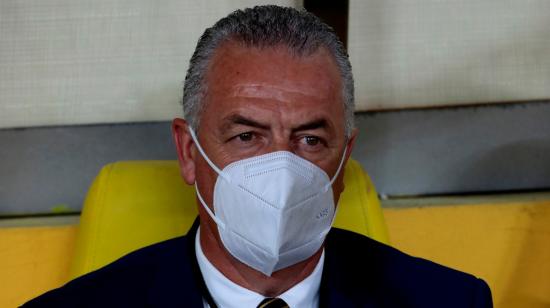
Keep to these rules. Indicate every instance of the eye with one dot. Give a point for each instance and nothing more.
(244, 143)
(311, 140)
(310, 144)
(245, 136)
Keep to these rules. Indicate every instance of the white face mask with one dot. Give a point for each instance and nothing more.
(272, 210)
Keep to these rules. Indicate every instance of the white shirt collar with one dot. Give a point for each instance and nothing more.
(227, 294)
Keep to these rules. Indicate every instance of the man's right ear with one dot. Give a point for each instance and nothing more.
(185, 148)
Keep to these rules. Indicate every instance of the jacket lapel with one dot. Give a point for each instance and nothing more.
(178, 281)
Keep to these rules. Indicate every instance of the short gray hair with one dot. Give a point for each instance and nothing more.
(266, 26)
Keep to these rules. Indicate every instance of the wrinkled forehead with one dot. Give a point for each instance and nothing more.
(274, 72)
(284, 92)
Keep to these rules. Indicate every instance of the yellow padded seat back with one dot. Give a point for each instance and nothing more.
(132, 204)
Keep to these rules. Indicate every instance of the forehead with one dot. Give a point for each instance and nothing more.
(274, 74)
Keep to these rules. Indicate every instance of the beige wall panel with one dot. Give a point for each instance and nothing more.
(417, 53)
(78, 62)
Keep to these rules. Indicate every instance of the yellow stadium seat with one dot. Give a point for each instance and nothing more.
(133, 204)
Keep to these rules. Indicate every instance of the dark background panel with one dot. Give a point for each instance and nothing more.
(496, 148)
(482, 149)
(49, 169)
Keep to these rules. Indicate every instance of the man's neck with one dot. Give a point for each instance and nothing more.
(248, 277)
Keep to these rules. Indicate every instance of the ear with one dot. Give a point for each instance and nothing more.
(349, 149)
(185, 148)
(339, 183)
(351, 144)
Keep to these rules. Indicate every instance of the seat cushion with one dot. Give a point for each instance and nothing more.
(132, 204)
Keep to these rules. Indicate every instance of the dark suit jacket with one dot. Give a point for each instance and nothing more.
(358, 272)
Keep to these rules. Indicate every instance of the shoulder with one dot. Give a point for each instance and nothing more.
(127, 281)
(394, 276)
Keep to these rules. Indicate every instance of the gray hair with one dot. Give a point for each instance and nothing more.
(266, 26)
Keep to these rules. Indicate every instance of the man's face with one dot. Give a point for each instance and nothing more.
(265, 100)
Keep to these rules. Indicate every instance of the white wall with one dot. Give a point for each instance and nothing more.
(83, 61)
(417, 53)
(103, 61)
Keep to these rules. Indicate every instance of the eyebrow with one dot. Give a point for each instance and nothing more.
(315, 124)
(241, 120)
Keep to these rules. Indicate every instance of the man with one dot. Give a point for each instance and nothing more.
(268, 108)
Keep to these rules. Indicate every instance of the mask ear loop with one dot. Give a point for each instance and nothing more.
(337, 170)
(324, 233)
(217, 170)
(203, 154)
(208, 210)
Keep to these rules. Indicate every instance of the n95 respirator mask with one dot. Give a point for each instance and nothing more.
(272, 210)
